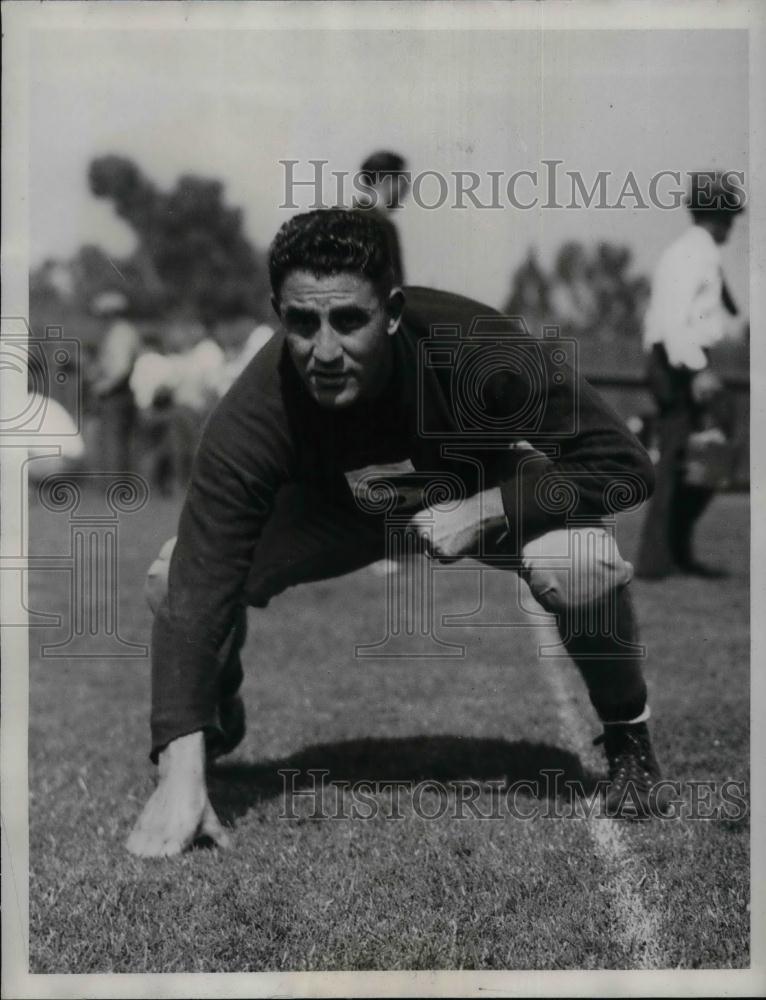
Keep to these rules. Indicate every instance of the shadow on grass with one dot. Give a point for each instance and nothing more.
(237, 787)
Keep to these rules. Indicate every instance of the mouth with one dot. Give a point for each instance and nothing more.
(329, 380)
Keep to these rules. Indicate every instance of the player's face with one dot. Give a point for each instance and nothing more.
(338, 332)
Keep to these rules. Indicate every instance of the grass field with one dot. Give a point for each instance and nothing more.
(305, 893)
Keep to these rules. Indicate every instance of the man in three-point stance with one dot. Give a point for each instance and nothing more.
(269, 504)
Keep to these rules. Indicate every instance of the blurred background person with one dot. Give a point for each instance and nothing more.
(153, 382)
(89, 376)
(689, 312)
(240, 338)
(199, 363)
(385, 175)
(114, 405)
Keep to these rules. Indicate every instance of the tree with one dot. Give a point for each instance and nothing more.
(530, 293)
(589, 293)
(592, 296)
(192, 250)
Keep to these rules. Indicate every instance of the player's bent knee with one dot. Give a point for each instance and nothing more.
(156, 586)
(574, 568)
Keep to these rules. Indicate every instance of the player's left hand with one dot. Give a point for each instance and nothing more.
(179, 810)
(453, 532)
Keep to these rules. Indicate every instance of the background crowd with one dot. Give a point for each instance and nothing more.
(163, 332)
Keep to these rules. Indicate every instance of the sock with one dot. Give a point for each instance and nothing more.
(643, 717)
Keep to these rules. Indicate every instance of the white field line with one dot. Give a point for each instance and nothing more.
(638, 928)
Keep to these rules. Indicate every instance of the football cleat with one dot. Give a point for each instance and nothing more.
(633, 772)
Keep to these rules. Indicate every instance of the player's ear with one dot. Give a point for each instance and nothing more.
(394, 308)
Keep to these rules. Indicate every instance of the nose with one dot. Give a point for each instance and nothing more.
(327, 349)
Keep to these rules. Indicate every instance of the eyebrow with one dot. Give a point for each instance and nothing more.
(299, 312)
(349, 310)
(302, 312)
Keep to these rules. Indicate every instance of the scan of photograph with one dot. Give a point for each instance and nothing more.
(376, 496)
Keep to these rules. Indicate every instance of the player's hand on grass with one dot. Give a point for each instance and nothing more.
(179, 810)
(450, 532)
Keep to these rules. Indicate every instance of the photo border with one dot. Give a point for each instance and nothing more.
(20, 19)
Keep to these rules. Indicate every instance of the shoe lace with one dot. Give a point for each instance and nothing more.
(628, 753)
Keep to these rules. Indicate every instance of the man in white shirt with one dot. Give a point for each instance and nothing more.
(116, 411)
(153, 382)
(154, 372)
(687, 316)
(199, 372)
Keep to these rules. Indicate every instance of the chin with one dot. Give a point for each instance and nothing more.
(338, 400)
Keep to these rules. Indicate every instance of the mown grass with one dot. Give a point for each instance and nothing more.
(382, 893)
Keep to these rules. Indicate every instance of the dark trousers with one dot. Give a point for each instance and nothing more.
(307, 539)
(117, 420)
(676, 506)
(185, 429)
(157, 447)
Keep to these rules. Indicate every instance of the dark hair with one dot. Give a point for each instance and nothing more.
(381, 164)
(331, 241)
(712, 194)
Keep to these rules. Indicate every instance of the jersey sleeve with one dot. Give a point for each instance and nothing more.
(568, 454)
(244, 456)
(583, 460)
